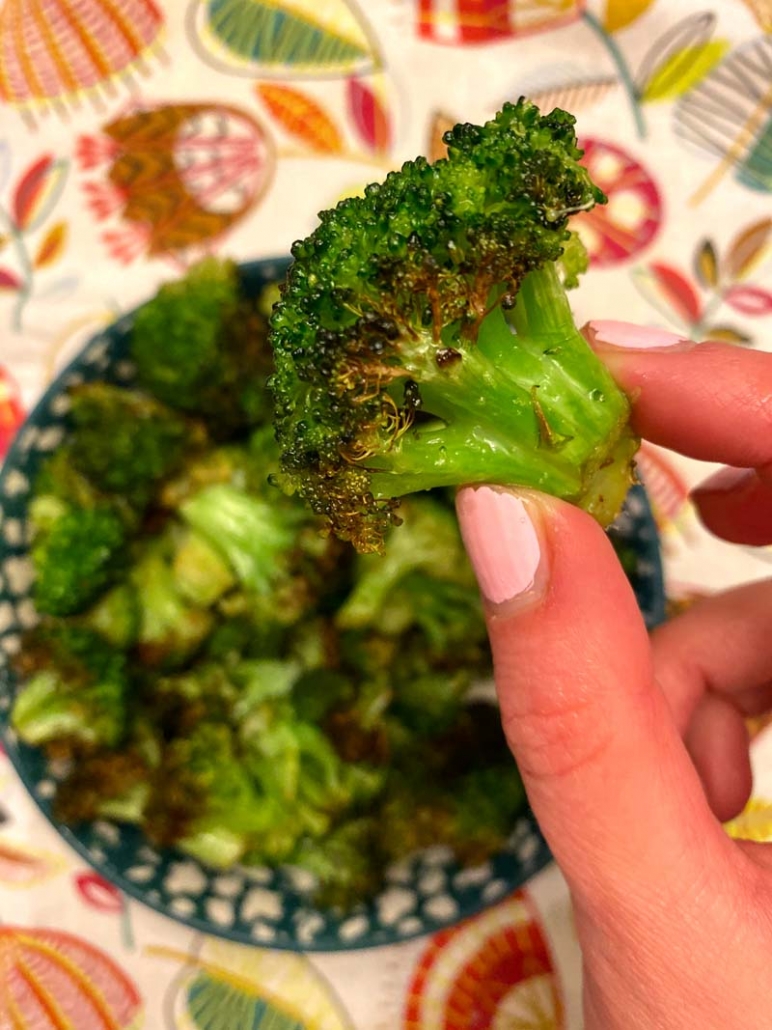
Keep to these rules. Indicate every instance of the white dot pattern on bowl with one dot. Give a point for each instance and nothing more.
(442, 908)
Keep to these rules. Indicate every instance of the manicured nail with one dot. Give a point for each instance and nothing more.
(502, 543)
(726, 480)
(609, 333)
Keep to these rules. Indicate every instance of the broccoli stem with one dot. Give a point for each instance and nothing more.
(531, 419)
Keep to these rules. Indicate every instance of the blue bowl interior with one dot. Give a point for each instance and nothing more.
(258, 905)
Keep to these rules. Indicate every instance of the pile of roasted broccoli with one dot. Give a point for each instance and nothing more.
(219, 671)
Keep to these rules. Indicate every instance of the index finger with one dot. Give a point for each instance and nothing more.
(711, 401)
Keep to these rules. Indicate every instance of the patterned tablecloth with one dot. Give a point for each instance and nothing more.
(136, 135)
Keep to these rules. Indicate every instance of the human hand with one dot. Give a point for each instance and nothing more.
(633, 749)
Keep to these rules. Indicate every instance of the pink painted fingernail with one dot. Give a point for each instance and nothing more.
(726, 480)
(627, 335)
(502, 543)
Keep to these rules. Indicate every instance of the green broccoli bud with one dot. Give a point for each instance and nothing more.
(203, 799)
(424, 338)
(346, 863)
(126, 442)
(74, 689)
(201, 572)
(317, 692)
(256, 537)
(105, 785)
(171, 630)
(486, 803)
(429, 542)
(115, 616)
(201, 346)
(448, 615)
(78, 557)
(265, 543)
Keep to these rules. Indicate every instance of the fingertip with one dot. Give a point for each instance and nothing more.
(611, 334)
(735, 504)
(505, 537)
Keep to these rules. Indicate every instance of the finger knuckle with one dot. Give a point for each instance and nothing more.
(556, 740)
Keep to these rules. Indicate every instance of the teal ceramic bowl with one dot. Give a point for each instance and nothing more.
(269, 907)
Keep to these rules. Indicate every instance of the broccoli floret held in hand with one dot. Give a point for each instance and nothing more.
(424, 337)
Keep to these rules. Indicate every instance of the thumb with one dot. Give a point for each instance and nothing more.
(607, 775)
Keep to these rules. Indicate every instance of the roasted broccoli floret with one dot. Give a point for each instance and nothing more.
(395, 591)
(201, 572)
(264, 545)
(474, 813)
(126, 442)
(200, 346)
(74, 692)
(79, 537)
(171, 629)
(115, 616)
(79, 556)
(233, 464)
(347, 863)
(203, 799)
(424, 338)
(255, 536)
(105, 785)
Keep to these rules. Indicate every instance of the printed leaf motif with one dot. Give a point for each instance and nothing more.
(98, 893)
(670, 292)
(621, 13)
(683, 70)
(370, 117)
(729, 117)
(477, 22)
(689, 34)
(52, 247)
(84, 986)
(67, 52)
(9, 280)
(37, 192)
(749, 300)
(573, 96)
(493, 970)
(706, 265)
(667, 489)
(302, 117)
(440, 124)
(748, 248)
(11, 417)
(629, 222)
(5, 164)
(294, 39)
(726, 334)
(234, 1006)
(753, 823)
(181, 176)
(227, 987)
(21, 867)
(762, 12)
